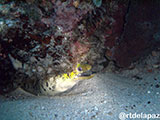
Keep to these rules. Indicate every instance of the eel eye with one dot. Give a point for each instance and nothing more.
(79, 69)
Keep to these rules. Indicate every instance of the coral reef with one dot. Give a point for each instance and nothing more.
(97, 3)
(41, 38)
(37, 43)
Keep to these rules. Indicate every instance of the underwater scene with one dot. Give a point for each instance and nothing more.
(79, 59)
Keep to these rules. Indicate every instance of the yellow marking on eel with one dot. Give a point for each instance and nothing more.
(80, 68)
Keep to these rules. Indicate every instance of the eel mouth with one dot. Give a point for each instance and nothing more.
(87, 73)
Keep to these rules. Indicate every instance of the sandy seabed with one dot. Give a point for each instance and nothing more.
(103, 97)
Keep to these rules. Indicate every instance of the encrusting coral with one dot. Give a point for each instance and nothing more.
(49, 38)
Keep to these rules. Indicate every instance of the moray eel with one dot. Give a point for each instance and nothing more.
(58, 84)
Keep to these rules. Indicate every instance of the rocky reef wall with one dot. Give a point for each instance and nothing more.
(40, 38)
